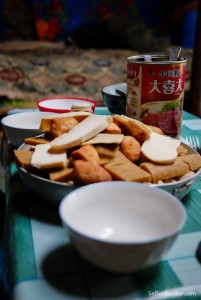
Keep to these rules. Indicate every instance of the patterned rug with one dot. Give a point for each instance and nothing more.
(30, 71)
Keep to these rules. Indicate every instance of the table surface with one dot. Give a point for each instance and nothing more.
(44, 265)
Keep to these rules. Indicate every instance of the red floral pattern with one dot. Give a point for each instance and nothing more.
(10, 75)
(75, 79)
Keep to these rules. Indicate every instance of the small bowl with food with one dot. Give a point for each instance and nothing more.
(79, 148)
(66, 104)
(139, 226)
(17, 127)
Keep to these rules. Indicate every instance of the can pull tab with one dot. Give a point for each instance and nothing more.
(147, 58)
(174, 53)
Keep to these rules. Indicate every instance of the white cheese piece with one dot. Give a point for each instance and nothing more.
(160, 149)
(105, 138)
(43, 158)
(82, 132)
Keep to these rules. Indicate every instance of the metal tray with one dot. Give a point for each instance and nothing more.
(54, 192)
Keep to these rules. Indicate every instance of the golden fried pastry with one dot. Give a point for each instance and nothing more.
(103, 161)
(86, 172)
(131, 148)
(62, 125)
(62, 175)
(106, 151)
(105, 138)
(113, 128)
(193, 161)
(46, 120)
(121, 168)
(140, 137)
(129, 129)
(123, 125)
(181, 150)
(156, 129)
(165, 172)
(23, 158)
(36, 141)
(133, 125)
(86, 152)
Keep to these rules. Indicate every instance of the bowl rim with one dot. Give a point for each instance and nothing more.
(162, 237)
(110, 86)
(58, 110)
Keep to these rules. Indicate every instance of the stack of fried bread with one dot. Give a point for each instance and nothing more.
(80, 148)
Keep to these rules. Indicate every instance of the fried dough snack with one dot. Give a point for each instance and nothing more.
(106, 152)
(86, 152)
(62, 125)
(23, 158)
(156, 129)
(62, 175)
(182, 150)
(122, 168)
(165, 172)
(130, 147)
(112, 151)
(192, 160)
(86, 172)
(36, 141)
(113, 128)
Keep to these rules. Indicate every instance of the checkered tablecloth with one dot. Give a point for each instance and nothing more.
(44, 265)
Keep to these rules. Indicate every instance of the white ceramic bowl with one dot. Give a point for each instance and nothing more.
(22, 125)
(122, 226)
(62, 105)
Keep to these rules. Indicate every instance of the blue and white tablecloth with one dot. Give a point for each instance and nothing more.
(44, 265)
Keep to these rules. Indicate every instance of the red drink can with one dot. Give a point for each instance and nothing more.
(155, 92)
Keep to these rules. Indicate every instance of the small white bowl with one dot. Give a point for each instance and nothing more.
(122, 226)
(22, 125)
(62, 105)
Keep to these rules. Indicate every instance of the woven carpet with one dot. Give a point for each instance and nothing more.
(30, 71)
